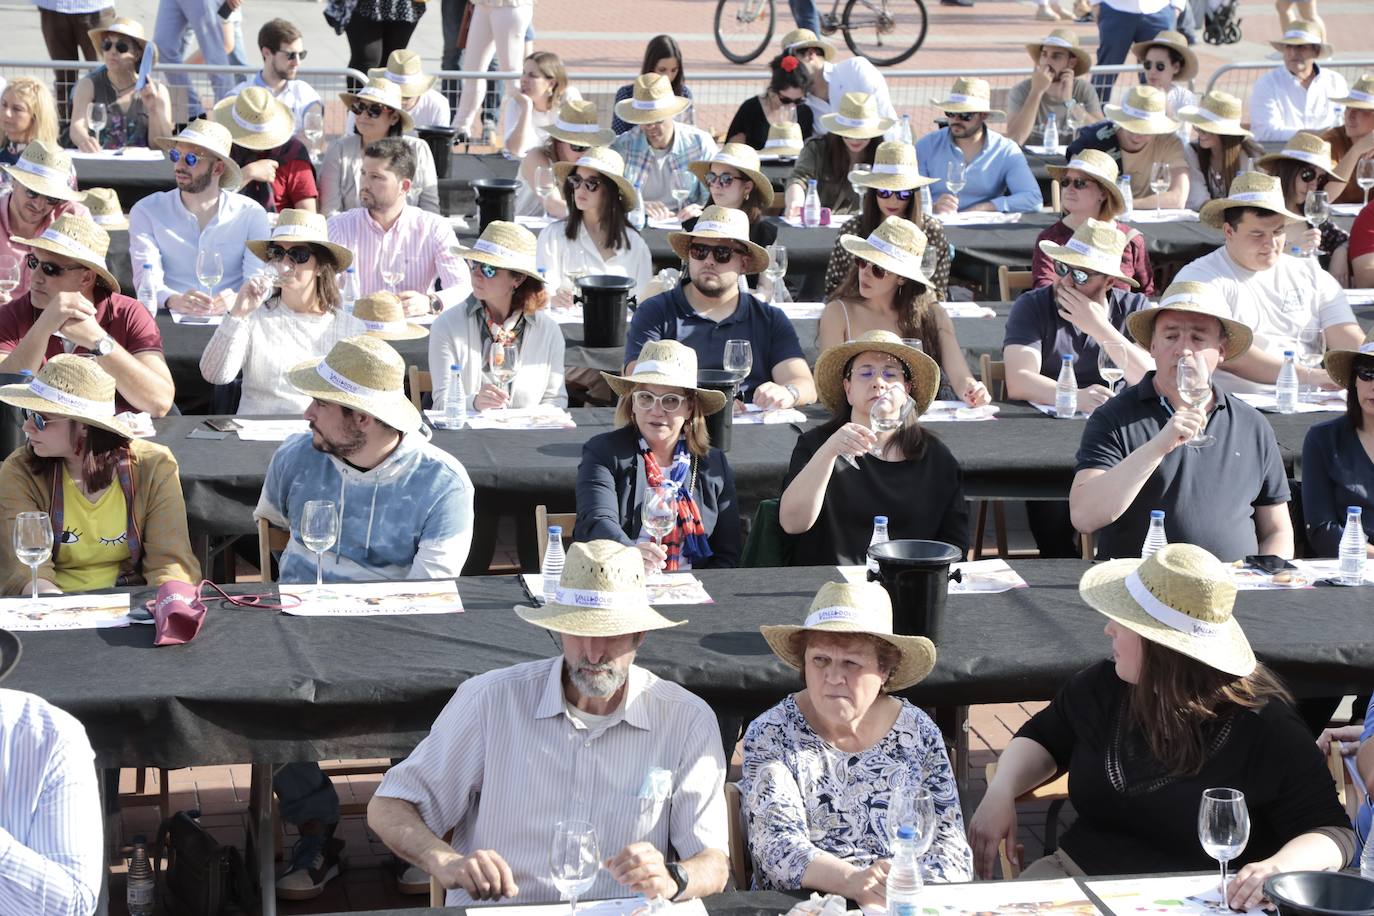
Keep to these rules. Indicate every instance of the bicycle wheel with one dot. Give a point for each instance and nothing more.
(886, 32)
(743, 28)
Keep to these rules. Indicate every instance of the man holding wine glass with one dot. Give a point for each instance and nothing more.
(41, 189)
(588, 736)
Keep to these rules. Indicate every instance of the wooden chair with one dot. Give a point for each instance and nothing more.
(741, 866)
(1012, 282)
(1056, 792)
(420, 384)
(994, 375)
(1055, 204)
(543, 519)
(270, 540)
(1086, 545)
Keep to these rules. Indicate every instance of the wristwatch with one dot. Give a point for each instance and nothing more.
(104, 346)
(678, 874)
(792, 390)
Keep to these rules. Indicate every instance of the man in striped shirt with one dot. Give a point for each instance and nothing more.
(586, 736)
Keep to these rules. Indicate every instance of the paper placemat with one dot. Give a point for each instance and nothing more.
(754, 415)
(1330, 569)
(1360, 296)
(1058, 897)
(1193, 895)
(1165, 215)
(1247, 579)
(270, 430)
(541, 417)
(534, 223)
(1048, 410)
(208, 321)
(375, 599)
(981, 577)
(626, 906)
(958, 412)
(1346, 209)
(802, 311)
(69, 612)
(1328, 402)
(129, 154)
(978, 218)
(968, 310)
(662, 588)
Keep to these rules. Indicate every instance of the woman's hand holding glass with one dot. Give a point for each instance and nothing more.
(975, 393)
(850, 441)
(502, 364)
(658, 515)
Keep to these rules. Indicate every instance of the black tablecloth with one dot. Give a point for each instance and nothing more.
(131, 179)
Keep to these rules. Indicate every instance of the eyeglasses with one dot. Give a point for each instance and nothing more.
(592, 184)
(891, 375)
(788, 100)
(1363, 373)
(297, 254)
(1310, 174)
(484, 269)
(34, 195)
(1158, 65)
(1078, 184)
(877, 271)
(884, 193)
(577, 149)
(175, 157)
(962, 115)
(49, 268)
(40, 422)
(720, 179)
(722, 253)
(294, 55)
(647, 400)
(1080, 276)
(122, 47)
(363, 108)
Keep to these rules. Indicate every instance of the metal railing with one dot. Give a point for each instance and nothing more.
(1238, 78)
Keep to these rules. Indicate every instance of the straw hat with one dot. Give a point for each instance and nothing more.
(506, 245)
(384, 92)
(10, 650)
(73, 387)
(607, 162)
(739, 156)
(858, 607)
(129, 28)
(1361, 93)
(1180, 598)
(384, 317)
(1066, 39)
(600, 593)
(255, 119)
(1142, 111)
(363, 373)
(797, 39)
(406, 70)
(897, 245)
(105, 209)
(1096, 165)
(969, 94)
(1191, 296)
(667, 362)
(721, 223)
(895, 168)
(45, 168)
(1094, 246)
(784, 140)
(1249, 189)
(577, 124)
(1217, 112)
(213, 138)
(1303, 33)
(79, 239)
(1304, 147)
(1174, 41)
(653, 101)
(857, 118)
(830, 366)
(1338, 362)
(301, 227)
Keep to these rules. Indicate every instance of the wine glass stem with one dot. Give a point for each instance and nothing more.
(34, 586)
(1223, 883)
(319, 567)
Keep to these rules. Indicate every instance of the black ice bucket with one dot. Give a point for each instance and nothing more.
(604, 301)
(916, 575)
(720, 423)
(495, 200)
(1321, 893)
(440, 142)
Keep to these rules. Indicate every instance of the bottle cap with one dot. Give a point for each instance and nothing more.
(454, 367)
(1287, 353)
(555, 531)
(880, 519)
(1352, 510)
(1066, 357)
(1156, 513)
(146, 265)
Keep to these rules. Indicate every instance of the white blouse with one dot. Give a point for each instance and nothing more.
(635, 262)
(456, 337)
(540, 120)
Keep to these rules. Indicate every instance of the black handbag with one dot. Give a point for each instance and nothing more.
(204, 878)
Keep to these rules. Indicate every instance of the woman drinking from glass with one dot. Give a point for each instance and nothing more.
(855, 131)
(784, 100)
(378, 112)
(131, 116)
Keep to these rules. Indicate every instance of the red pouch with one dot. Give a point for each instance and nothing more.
(179, 611)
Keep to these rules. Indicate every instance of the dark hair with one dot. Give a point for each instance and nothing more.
(1353, 412)
(1287, 170)
(100, 452)
(350, 411)
(1234, 216)
(871, 217)
(911, 438)
(1175, 58)
(327, 294)
(798, 77)
(835, 157)
(915, 305)
(659, 47)
(275, 33)
(1232, 148)
(752, 205)
(615, 219)
(400, 160)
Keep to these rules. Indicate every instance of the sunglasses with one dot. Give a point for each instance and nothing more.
(484, 269)
(577, 149)
(40, 422)
(1363, 373)
(962, 115)
(787, 100)
(191, 158)
(294, 55)
(722, 253)
(647, 400)
(1080, 276)
(1158, 65)
(1308, 174)
(49, 268)
(877, 271)
(885, 194)
(591, 184)
(34, 195)
(720, 180)
(122, 47)
(296, 254)
(373, 110)
(1078, 184)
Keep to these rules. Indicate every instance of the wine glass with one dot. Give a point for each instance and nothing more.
(1194, 388)
(914, 343)
(97, 116)
(502, 362)
(888, 413)
(1071, 118)
(312, 128)
(1317, 210)
(9, 275)
(660, 511)
(682, 188)
(738, 359)
(319, 531)
(857, 176)
(33, 547)
(545, 182)
(775, 271)
(209, 269)
(1111, 363)
(574, 859)
(912, 806)
(1161, 176)
(1364, 177)
(956, 176)
(393, 269)
(1223, 827)
(574, 266)
(1310, 345)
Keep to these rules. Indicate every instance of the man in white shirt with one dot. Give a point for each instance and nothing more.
(1298, 95)
(387, 235)
(1280, 297)
(830, 82)
(174, 233)
(586, 736)
(283, 50)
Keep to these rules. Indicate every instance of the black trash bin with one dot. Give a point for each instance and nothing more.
(440, 142)
(604, 301)
(495, 200)
(1321, 893)
(916, 576)
(720, 423)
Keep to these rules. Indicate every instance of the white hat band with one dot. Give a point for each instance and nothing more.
(372, 92)
(855, 122)
(1180, 297)
(72, 245)
(852, 614)
(652, 104)
(1209, 115)
(72, 401)
(1140, 113)
(1174, 620)
(500, 251)
(586, 597)
(348, 386)
(248, 125)
(1256, 197)
(734, 163)
(892, 168)
(890, 249)
(711, 225)
(293, 229)
(1055, 41)
(107, 219)
(1361, 96)
(404, 78)
(1084, 166)
(1302, 35)
(196, 138)
(587, 162)
(1304, 156)
(961, 99)
(656, 367)
(572, 128)
(1078, 246)
(780, 142)
(42, 171)
(382, 325)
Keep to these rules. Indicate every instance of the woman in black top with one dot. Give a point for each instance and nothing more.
(1304, 165)
(735, 181)
(132, 115)
(1338, 456)
(783, 100)
(836, 485)
(1181, 707)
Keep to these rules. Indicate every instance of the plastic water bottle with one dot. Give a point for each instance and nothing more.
(1123, 184)
(904, 875)
(811, 209)
(1286, 388)
(1154, 538)
(349, 293)
(1066, 389)
(927, 204)
(1051, 136)
(905, 134)
(147, 290)
(879, 537)
(456, 401)
(140, 888)
(1352, 554)
(552, 568)
(637, 214)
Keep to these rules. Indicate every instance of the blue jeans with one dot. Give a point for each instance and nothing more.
(806, 14)
(305, 794)
(202, 16)
(1116, 32)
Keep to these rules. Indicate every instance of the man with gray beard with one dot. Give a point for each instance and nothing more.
(586, 737)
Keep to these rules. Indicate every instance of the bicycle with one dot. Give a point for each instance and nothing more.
(744, 28)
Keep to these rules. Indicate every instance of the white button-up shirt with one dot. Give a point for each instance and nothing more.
(505, 760)
(166, 236)
(1280, 106)
(298, 95)
(422, 241)
(73, 6)
(853, 74)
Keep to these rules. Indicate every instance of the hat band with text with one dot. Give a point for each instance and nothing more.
(1084, 166)
(382, 325)
(710, 225)
(1214, 116)
(1140, 113)
(404, 78)
(652, 104)
(248, 125)
(72, 245)
(1174, 620)
(846, 121)
(500, 251)
(891, 250)
(575, 128)
(1078, 246)
(348, 386)
(658, 367)
(1310, 38)
(864, 618)
(1303, 155)
(587, 162)
(42, 171)
(1055, 41)
(894, 168)
(1256, 197)
(586, 597)
(1361, 96)
(959, 98)
(72, 401)
(780, 142)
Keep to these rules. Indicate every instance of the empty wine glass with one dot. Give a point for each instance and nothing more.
(1194, 388)
(1223, 827)
(9, 275)
(574, 859)
(682, 188)
(545, 181)
(1317, 209)
(1111, 363)
(888, 413)
(738, 359)
(914, 343)
(1310, 345)
(97, 116)
(956, 176)
(574, 266)
(312, 128)
(1161, 176)
(857, 176)
(33, 547)
(775, 271)
(1364, 177)
(502, 362)
(319, 531)
(660, 511)
(912, 806)
(209, 269)
(393, 269)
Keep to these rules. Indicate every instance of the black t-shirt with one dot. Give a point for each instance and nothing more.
(1208, 494)
(1035, 322)
(922, 498)
(750, 120)
(1134, 818)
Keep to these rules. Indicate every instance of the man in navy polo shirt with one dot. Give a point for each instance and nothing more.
(709, 310)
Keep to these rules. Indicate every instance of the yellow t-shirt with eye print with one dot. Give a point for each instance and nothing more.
(94, 537)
